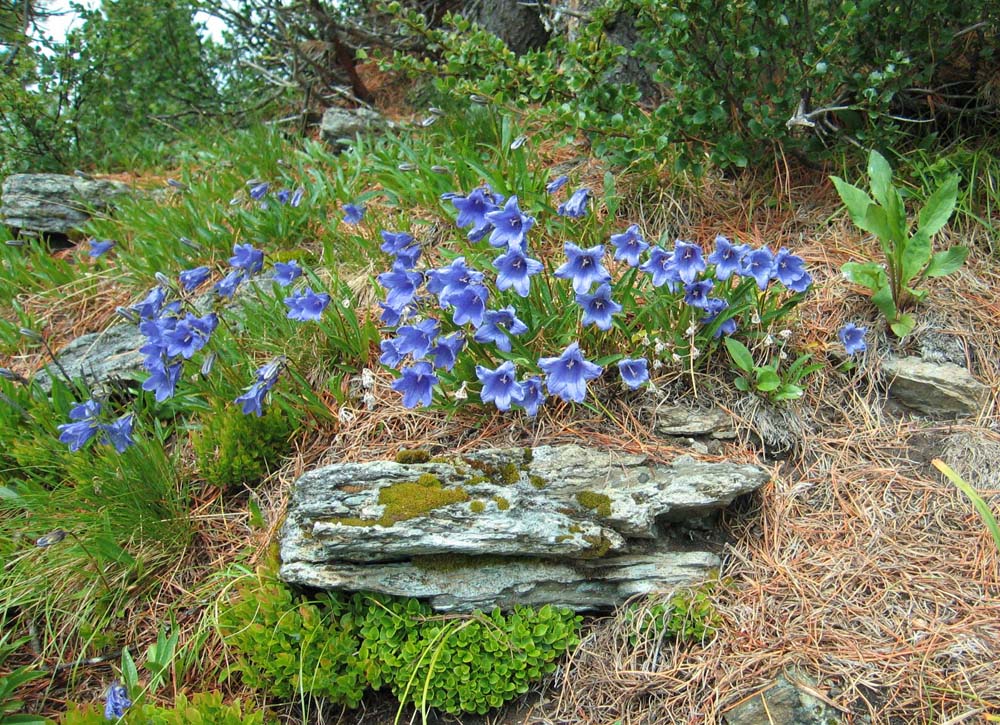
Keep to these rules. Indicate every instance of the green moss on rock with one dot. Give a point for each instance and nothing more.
(597, 502)
(409, 456)
(502, 503)
(477, 507)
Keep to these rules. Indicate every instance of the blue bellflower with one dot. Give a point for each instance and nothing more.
(566, 376)
(353, 213)
(556, 184)
(576, 205)
(472, 209)
(532, 395)
(226, 287)
(497, 325)
(119, 433)
(259, 191)
(252, 400)
(417, 340)
(515, 269)
(629, 245)
(116, 702)
(306, 305)
(500, 386)
(189, 335)
(598, 307)
(402, 246)
(99, 247)
(296, 197)
(416, 383)
(162, 380)
(696, 293)
(852, 338)
(688, 261)
(469, 304)
(660, 266)
(634, 372)
(759, 264)
(149, 306)
(583, 267)
(391, 356)
(446, 350)
(452, 279)
(509, 225)
(714, 307)
(788, 268)
(247, 258)
(84, 425)
(192, 279)
(727, 258)
(286, 272)
(401, 285)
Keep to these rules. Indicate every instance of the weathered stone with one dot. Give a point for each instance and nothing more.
(939, 390)
(516, 23)
(575, 513)
(784, 702)
(340, 125)
(694, 422)
(55, 203)
(99, 358)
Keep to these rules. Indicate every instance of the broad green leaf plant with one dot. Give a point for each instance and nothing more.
(909, 257)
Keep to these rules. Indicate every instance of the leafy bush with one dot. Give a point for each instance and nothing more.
(204, 708)
(688, 615)
(735, 80)
(10, 682)
(235, 449)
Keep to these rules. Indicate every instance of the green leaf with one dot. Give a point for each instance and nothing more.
(903, 326)
(981, 506)
(767, 380)
(742, 384)
(877, 222)
(855, 199)
(939, 207)
(130, 673)
(867, 274)
(788, 391)
(25, 720)
(916, 254)
(947, 262)
(882, 299)
(880, 174)
(740, 355)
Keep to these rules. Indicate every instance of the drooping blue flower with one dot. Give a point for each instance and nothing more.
(500, 386)
(634, 372)
(497, 325)
(660, 266)
(509, 225)
(403, 246)
(452, 279)
(116, 702)
(283, 196)
(556, 184)
(391, 356)
(296, 197)
(696, 293)
(162, 380)
(99, 247)
(247, 258)
(515, 268)
(119, 433)
(788, 267)
(688, 260)
(401, 285)
(286, 272)
(566, 376)
(800, 284)
(446, 350)
(726, 258)
(532, 395)
(576, 205)
(192, 279)
(392, 317)
(252, 400)
(306, 305)
(226, 287)
(629, 245)
(469, 304)
(258, 190)
(416, 383)
(417, 340)
(472, 209)
(84, 427)
(189, 335)
(713, 308)
(583, 267)
(149, 306)
(759, 264)
(852, 338)
(353, 213)
(598, 307)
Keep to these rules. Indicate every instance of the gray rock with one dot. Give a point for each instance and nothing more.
(786, 703)
(55, 203)
(516, 23)
(100, 358)
(339, 126)
(939, 390)
(682, 421)
(595, 526)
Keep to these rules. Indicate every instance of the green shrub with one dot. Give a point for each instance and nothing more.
(10, 682)
(688, 615)
(234, 449)
(204, 708)
(289, 647)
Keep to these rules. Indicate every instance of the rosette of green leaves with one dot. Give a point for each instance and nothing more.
(909, 257)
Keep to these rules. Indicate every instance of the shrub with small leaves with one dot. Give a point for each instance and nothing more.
(290, 646)
(461, 665)
(688, 615)
(233, 448)
(204, 708)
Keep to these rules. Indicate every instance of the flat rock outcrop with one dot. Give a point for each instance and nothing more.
(936, 389)
(579, 527)
(54, 203)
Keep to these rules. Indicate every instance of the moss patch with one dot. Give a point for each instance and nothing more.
(596, 502)
(538, 482)
(599, 546)
(408, 456)
(502, 503)
(477, 507)
(354, 521)
(410, 499)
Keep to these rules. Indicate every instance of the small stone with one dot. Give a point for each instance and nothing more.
(784, 702)
(938, 390)
(339, 126)
(683, 422)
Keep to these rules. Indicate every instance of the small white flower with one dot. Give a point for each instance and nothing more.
(462, 393)
(692, 329)
(659, 347)
(367, 379)
(657, 363)
(769, 340)
(695, 352)
(755, 318)
(676, 358)
(369, 400)
(346, 416)
(785, 334)
(346, 302)
(782, 355)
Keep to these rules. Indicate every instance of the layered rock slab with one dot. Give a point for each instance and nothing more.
(54, 203)
(568, 525)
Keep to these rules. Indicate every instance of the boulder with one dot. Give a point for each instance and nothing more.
(339, 126)
(55, 203)
(938, 390)
(687, 422)
(581, 527)
(99, 358)
(787, 701)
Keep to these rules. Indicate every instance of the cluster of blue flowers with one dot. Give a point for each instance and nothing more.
(422, 345)
(87, 424)
(116, 702)
(258, 191)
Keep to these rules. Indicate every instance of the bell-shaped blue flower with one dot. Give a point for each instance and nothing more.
(446, 349)
(566, 376)
(576, 205)
(727, 258)
(417, 340)
(556, 184)
(759, 264)
(852, 338)
(286, 272)
(500, 386)
(515, 268)
(497, 325)
(696, 293)
(629, 245)
(598, 307)
(634, 372)
(306, 305)
(416, 383)
(469, 304)
(532, 395)
(401, 285)
(192, 279)
(403, 246)
(247, 258)
(472, 209)
(583, 267)
(688, 261)
(788, 268)
(660, 266)
(509, 225)
(353, 213)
